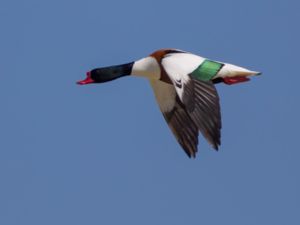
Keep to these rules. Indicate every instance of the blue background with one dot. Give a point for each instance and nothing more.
(103, 154)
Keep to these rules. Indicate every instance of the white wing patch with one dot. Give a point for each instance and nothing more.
(178, 66)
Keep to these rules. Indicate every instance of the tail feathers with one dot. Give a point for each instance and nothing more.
(229, 70)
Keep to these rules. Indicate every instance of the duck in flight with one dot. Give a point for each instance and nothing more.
(183, 85)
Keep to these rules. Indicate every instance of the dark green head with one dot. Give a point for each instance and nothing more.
(101, 75)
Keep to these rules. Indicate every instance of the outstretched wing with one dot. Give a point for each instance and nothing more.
(202, 103)
(179, 121)
(198, 97)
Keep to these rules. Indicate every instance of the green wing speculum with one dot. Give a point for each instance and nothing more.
(207, 70)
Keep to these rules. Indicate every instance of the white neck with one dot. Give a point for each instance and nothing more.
(146, 67)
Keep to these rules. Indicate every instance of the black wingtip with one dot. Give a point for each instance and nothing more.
(216, 147)
(191, 155)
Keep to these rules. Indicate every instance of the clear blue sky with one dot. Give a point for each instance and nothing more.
(103, 154)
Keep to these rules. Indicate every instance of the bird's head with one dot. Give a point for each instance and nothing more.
(96, 76)
(105, 74)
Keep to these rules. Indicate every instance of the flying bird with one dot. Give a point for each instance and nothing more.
(183, 85)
